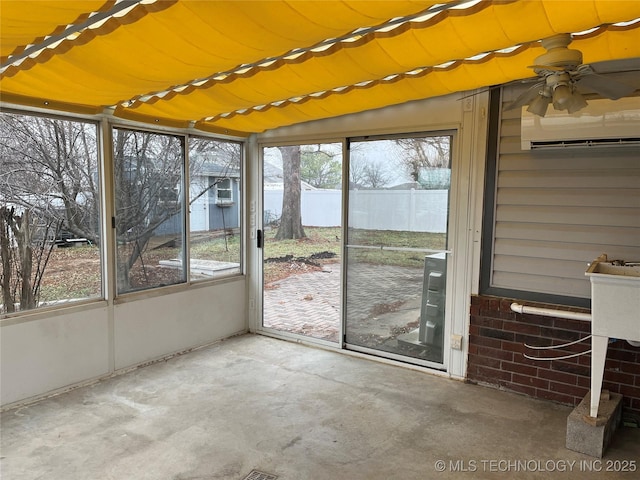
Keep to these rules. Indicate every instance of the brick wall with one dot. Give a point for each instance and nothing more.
(497, 339)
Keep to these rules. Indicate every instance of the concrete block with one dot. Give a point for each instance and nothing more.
(589, 435)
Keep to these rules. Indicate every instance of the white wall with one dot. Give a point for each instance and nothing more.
(144, 330)
(47, 353)
(44, 352)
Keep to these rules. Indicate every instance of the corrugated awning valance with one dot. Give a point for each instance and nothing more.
(246, 66)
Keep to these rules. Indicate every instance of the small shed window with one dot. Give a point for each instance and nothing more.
(224, 193)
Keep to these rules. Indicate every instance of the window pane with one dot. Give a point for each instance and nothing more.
(302, 264)
(397, 237)
(49, 212)
(214, 206)
(223, 191)
(148, 169)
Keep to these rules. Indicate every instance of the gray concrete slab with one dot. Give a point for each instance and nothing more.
(297, 412)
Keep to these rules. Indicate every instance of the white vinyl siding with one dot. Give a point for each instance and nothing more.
(556, 210)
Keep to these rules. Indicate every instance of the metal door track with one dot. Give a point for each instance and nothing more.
(257, 475)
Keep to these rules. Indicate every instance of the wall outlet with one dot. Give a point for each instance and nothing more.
(456, 342)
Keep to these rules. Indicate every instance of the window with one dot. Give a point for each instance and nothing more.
(50, 218)
(214, 216)
(49, 212)
(224, 195)
(149, 209)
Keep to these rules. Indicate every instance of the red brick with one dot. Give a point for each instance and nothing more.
(629, 391)
(498, 334)
(558, 376)
(486, 361)
(557, 333)
(612, 365)
(520, 327)
(627, 367)
(573, 325)
(533, 340)
(620, 377)
(527, 390)
(495, 375)
(489, 322)
(613, 387)
(530, 381)
(495, 353)
(520, 368)
(622, 355)
(494, 305)
(556, 397)
(535, 320)
(572, 368)
(487, 342)
(494, 333)
(584, 381)
(520, 358)
(514, 347)
(574, 390)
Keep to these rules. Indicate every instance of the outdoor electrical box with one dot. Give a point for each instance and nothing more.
(432, 309)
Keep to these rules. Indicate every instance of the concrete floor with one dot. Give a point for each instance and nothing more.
(297, 412)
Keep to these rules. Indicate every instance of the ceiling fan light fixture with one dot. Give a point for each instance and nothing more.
(539, 105)
(577, 102)
(562, 96)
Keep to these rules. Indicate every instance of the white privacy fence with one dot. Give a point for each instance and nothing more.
(406, 210)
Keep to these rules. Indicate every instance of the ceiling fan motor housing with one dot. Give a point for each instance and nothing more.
(558, 55)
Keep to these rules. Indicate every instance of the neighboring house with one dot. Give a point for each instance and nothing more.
(273, 178)
(215, 193)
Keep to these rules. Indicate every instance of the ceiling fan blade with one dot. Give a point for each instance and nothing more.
(616, 66)
(606, 87)
(527, 96)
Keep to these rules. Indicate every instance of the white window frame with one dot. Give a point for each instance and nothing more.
(224, 201)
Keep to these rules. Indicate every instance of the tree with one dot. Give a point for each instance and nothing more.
(22, 261)
(320, 168)
(423, 152)
(375, 175)
(367, 174)
(148, 170)
(50, 168)
(291, 220)
(48, 180)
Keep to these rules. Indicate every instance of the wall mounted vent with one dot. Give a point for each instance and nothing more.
(602, 123)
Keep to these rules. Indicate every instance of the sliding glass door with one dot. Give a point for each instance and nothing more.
(301, 240)
(396, 247)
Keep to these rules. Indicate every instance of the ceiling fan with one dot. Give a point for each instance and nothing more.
(560, 70)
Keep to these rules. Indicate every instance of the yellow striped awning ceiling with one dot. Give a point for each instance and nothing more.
(242, 67)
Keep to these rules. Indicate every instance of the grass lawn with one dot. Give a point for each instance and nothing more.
(319, 239)
(327, 239)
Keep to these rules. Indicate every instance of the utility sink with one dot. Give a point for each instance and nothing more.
(615, 313)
